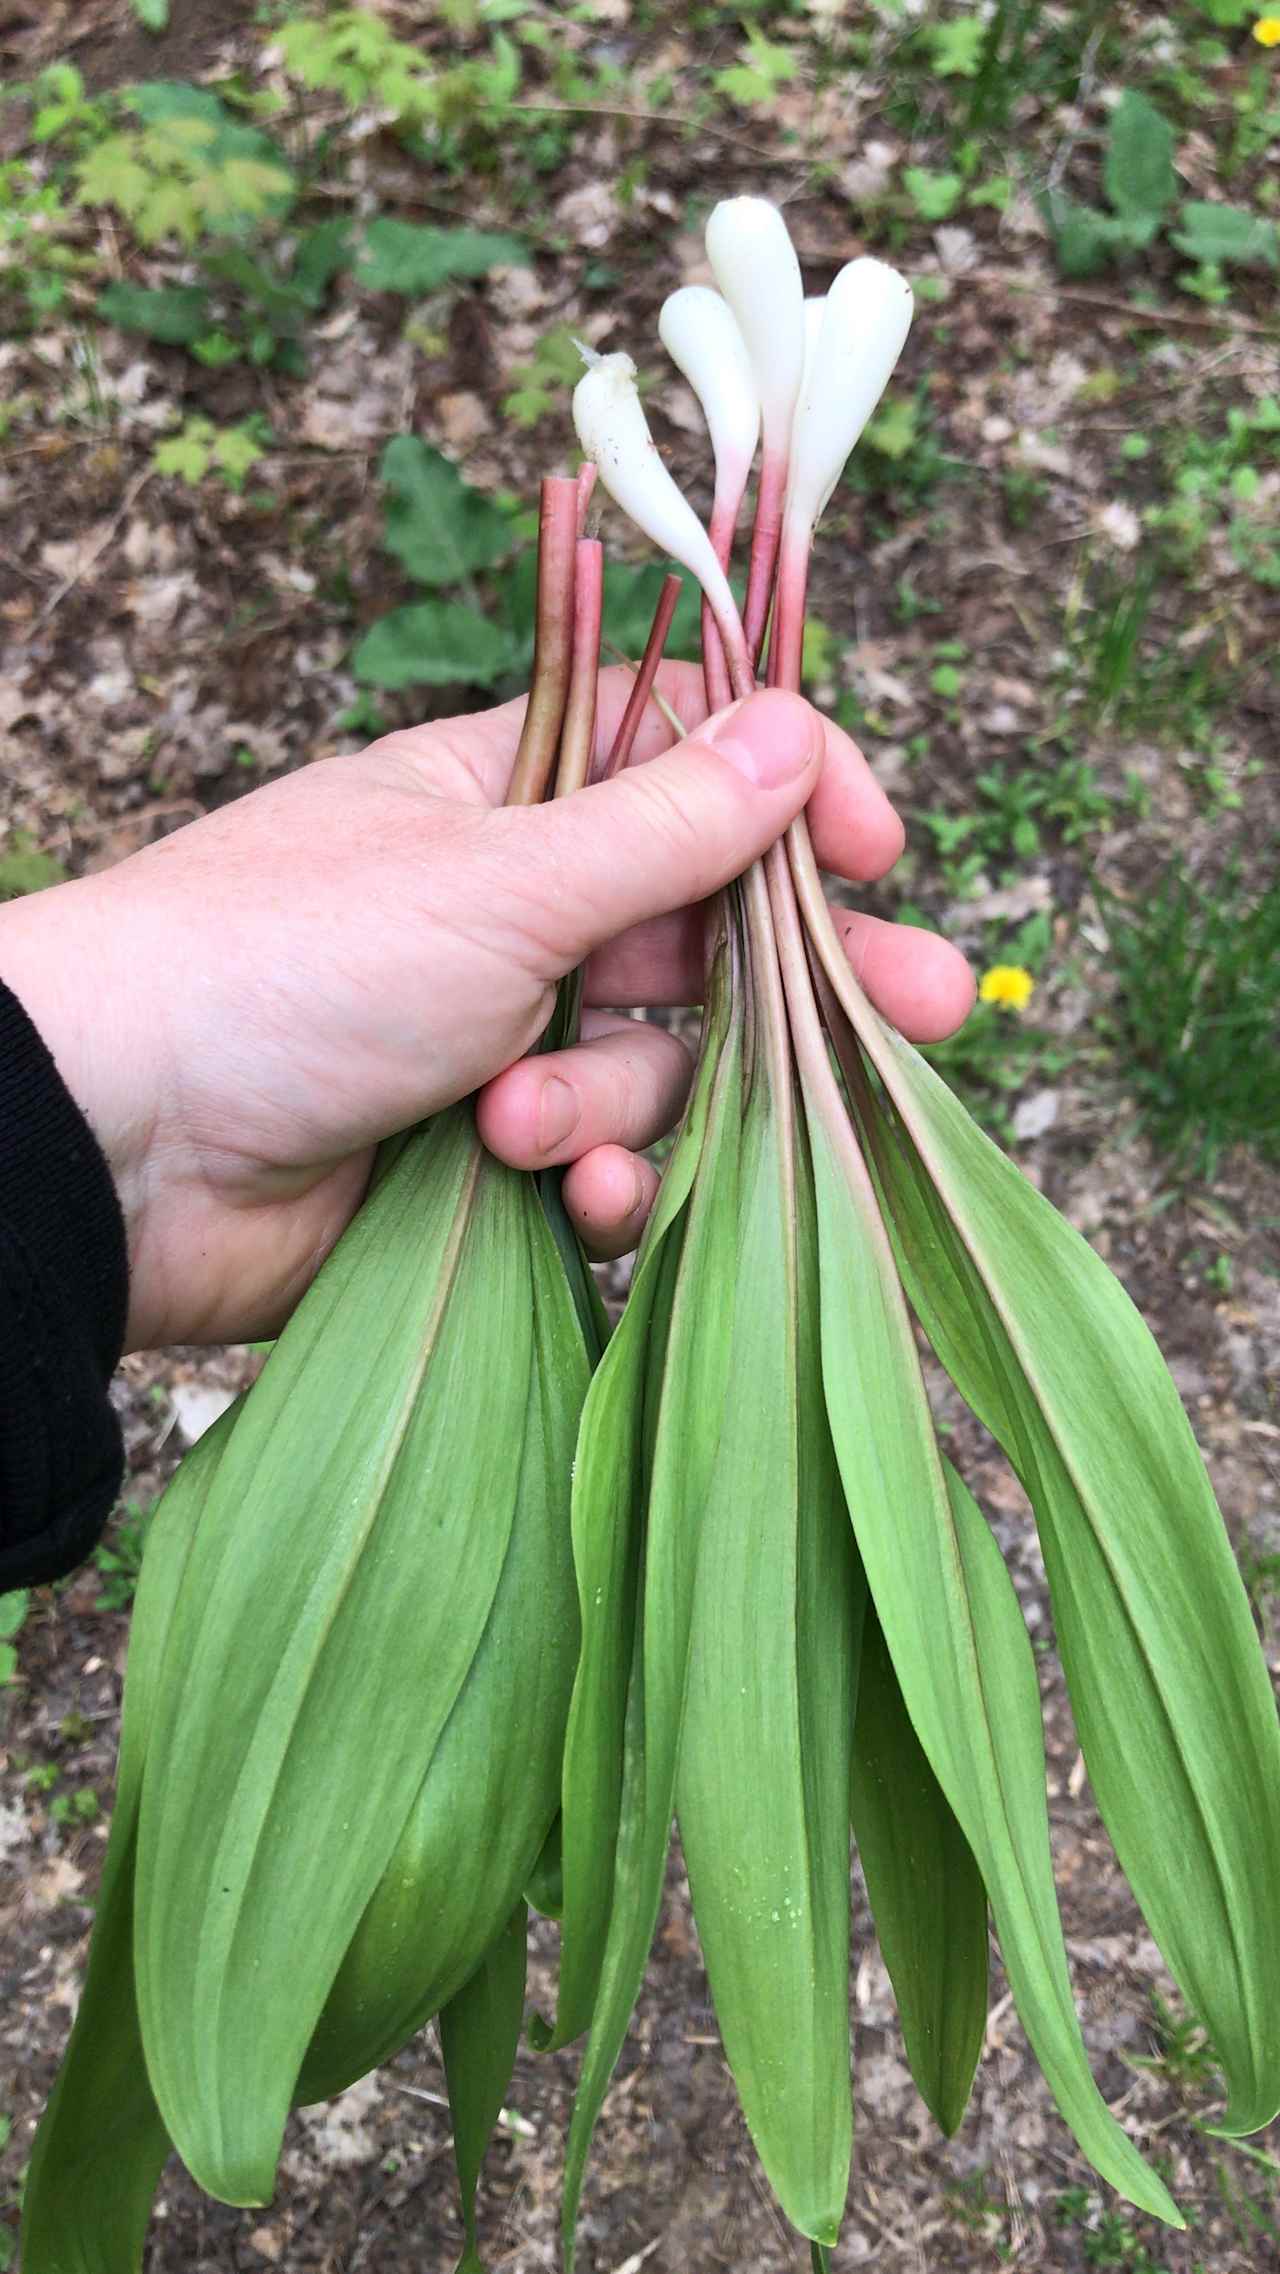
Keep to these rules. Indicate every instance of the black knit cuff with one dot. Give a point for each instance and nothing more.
(64, 1288)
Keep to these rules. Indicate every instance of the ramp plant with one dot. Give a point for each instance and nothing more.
(461, 1609)
(351, 1666)
(794, 1613)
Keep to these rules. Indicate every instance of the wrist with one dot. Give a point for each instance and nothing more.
(59, 958)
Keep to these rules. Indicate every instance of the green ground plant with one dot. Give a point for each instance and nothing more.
(473, 555)
(13, 1611)
(1196, 1011)
(1141, 188)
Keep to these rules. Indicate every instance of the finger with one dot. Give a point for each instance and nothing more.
(608, 1195)
(662, 835)
(485, 742)
(856, 833)
(624, 1086)
(918, 980)
(920, 983)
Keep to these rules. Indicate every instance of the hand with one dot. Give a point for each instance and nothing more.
(246, 1008)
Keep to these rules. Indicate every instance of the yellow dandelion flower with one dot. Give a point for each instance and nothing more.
(1267, 31)
(1008, 985)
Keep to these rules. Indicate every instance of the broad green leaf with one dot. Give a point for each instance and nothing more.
(766, 1735)
(410, 256)
(679, 1395)
(953, 1628)
(175, 314)
(153, 15)
(434, 643)
(226, 139)
(1168, 1685)
(102, 2144)
(1086, 239)
(479, 2034)
(436, 524)
(321, 253)
(1139, 175)
(1227, 234)
(925, 1890)
(610, 1487)
(357, 1532)
(492, 1785)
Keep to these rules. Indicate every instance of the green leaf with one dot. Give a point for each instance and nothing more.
(434, 643)
(1228, 235)
(439, 527)
(409, 256)
(13, 1610)
(602, 1769)
(951, 1622)
(102, 2144)
(957, 46)
(491, 1787)
(766, 1731)
(925, 1890)
(8, 1663)
(1086, 240)
(175, 314)
(1139, 175)
(933, 195)
(1168, 1685)
(479, 2034)
(405, 1443)
(319, 256)
(153, 15)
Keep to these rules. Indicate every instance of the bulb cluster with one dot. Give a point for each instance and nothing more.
(800, 376)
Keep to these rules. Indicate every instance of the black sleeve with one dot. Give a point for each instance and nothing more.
(63, 1299)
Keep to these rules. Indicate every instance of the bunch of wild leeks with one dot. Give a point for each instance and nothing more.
(362, 1677)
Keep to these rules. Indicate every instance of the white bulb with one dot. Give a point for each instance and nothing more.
(614, 433)
(865, 322)
(755, 266)
(700, 334)
(815, 309)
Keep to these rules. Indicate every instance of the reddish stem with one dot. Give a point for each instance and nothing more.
(577, 736)
(765, 534)
(553, 641)
(723, 524)
(786, 630)
(646, 673)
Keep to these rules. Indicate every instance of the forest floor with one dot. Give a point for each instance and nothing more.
(1061, 658)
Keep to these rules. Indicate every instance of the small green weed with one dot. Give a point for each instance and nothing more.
(540, 385)
(1141, 187)
(118, 1558)
(13, 1611)
(1197, 1012)
(200, 448)
(1183, 2056)
(25, 868)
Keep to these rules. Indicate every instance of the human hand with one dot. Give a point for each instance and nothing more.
(246, 1008)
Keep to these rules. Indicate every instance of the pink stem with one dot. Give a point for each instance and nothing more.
(553, 641)
(724, 521)
(764, 547)
(645, 676)
(786, 631)
(577, 736)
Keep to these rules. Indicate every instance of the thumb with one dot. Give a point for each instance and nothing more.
(667, 833)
